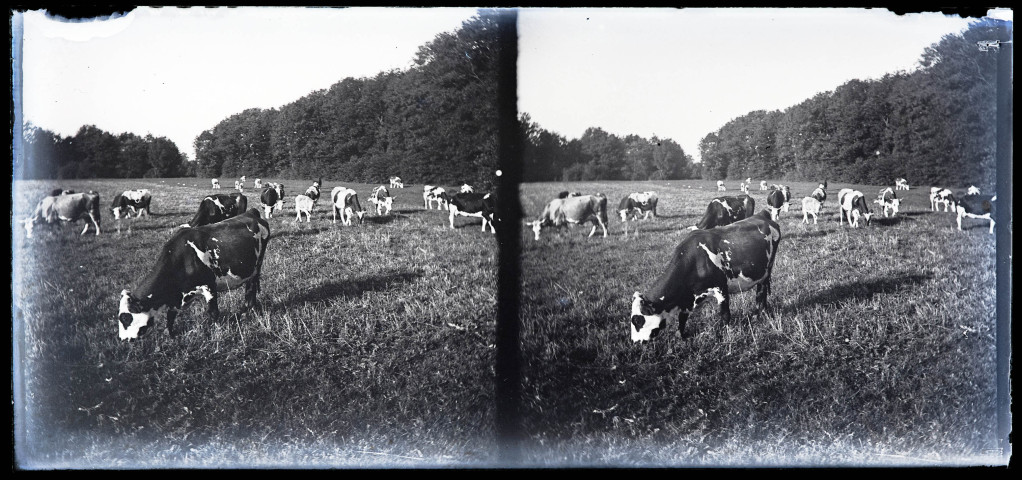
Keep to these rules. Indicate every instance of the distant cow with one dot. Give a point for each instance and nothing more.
(345, 202)
(726, 210)
(272, 198)
(239, 186)
(820, 192)
(566, 194)
(197, 261)
(720, 186)
(258, 183)
(900, 184)
(395, 182)
(762, 185)
(748, 181)
(382, 199)
(775, 202)
(743, 187)
(973, 190)
(943, 196)
(313, 191)
(69, 208)
(811, 206)
(432, 194)
(888, 200)
(466, 188)
(577, 210)
(637, 205)
(218, 207)
(131, 201)
(304, 204)
(976, 206)
(216, 184)
(853, 207)
(709, 264)
(471, 204)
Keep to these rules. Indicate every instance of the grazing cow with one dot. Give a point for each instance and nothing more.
(853, 206)
(775, 203)
(811, 206)
(313, 191)
(709, 263)
(60, 191)
(888, 200)
(258, 183)
(725, 211)
(395, 182)
(242, 179)
(762, 185)
(900, 184)
(217, 208)
(973, 190)
(635, 205)
(345, 201)
(272, 198)
(578, 210)
(471, 204)
(304, 204)
(197, 261)
(720, 186)
(566, 194)
(382, 199)
(744, 187)
(216, 184)
(748, 181)
(239, 186)
(432, 194)
(976, 206)
(466, 188)
(66, 208)
(137, 201)
(942, 196)
(820, 193)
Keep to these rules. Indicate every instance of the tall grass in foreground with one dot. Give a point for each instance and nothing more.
(879, 350)
(375, 347)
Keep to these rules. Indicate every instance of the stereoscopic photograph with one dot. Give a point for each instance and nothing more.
(468, 238)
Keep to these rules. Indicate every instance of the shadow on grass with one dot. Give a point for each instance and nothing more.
(352, 287)
(861, 290)
(915, 214)
(406, 211)
(807, 234)
(380, 219)
(296, 233)
(891, 221)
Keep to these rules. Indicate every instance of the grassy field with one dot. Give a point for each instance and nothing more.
(879, 350)
(375, 347)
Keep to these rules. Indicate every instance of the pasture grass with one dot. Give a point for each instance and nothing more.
(375, 346)
(879, 349)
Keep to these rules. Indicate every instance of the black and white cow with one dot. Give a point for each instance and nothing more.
(58, 209)
(432, 194)
(345, 202)
(976, 206)
(973, 190)
(313, 191)
(395, 182)
(471, 204)
(811, 206)
(216, 184)
(709, 264)
(888, 200)
(466, 188)
(853, 207)
(197, 261)
(382, 199)
(762, 185)
(775, 203)
(304, 205)
(131, 201)
(577, 210)
(943, 196)
(900, 184)
(726, 210)
(272, 198)
(820, 192)
(720, 186)
(637, 205)
(566, 194)
(218, 207)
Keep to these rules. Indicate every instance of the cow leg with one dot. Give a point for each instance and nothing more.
(603, 226)
(991, 226)
(959, 222)
(212, 305)
(171, 316)
(682, 320)
(452, 218)
(762, 291)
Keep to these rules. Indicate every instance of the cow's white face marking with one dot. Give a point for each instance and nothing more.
(138, 320)
(650, 324)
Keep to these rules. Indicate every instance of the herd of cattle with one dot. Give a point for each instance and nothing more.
(732, 247)
(222, 247)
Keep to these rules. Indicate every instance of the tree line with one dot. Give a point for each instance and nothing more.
(95, 153)
(935, 125)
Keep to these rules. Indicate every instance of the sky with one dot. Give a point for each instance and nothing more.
(175, 72)
(682, 74)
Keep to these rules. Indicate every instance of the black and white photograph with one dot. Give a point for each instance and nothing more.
(320, 238)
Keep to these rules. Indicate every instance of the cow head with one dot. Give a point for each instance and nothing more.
(647, 319)
(133, 317)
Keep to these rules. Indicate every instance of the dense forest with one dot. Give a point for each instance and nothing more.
(935, 125)
(94, 153)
